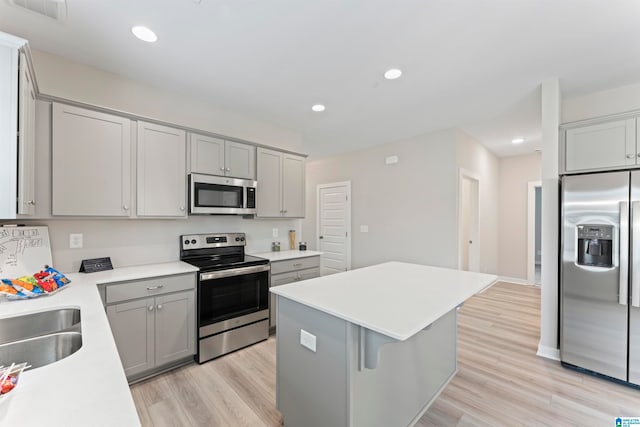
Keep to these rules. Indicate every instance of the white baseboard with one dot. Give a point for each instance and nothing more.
(515, 280)
(548, 352)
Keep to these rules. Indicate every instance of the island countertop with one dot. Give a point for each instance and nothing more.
(395, 299)
(89, 387)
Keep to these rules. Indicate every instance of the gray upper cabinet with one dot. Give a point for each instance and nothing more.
(91, 163)
(161, 171)
(215, 156)
(280, 184)
(293, 186)
(610, 145)
(26, 140)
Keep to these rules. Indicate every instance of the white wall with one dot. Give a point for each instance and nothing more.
(475, 158)
(60, 77)
(141, 241)
(410, 207)
(603, 103)
(515, 174)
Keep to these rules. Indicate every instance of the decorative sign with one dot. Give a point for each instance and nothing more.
(23, 250)
(95, 264)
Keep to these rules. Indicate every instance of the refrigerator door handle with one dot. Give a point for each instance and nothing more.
(624, 253)
(635, 255)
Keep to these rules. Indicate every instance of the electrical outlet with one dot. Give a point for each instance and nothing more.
(275, 232)
(308, 340)
(75, 240)
(364, 228)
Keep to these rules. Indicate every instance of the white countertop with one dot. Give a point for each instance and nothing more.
(88, 388)
(395, 299)
(286, 255)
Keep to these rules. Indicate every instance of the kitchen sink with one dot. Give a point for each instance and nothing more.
(42, 350)
(40, 338)
(36, 324)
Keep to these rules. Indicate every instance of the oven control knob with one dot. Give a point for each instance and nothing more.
(186, 242)
(193, 242)
(237, 239)
(242, 239)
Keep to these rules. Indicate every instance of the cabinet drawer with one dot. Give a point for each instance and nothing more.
(309, 274)
(295, 264)
(148, 287)
(283, 278)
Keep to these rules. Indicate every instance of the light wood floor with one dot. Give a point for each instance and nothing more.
(500, 381)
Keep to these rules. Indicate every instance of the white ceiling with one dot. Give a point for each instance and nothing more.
(473, 64)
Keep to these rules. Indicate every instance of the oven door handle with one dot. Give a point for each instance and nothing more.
(234, 272)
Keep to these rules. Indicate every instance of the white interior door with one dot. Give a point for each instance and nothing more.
(469, 221)
(334, 227)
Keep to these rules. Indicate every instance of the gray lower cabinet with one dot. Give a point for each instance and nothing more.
(289, 271)
(152, 324)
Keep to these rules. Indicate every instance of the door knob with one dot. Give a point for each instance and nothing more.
(470, 241)
(159, 306)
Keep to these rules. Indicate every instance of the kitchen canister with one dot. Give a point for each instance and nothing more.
(302, 246)
(292, 239)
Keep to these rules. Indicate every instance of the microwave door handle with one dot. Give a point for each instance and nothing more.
(635, 254)
(623, 250)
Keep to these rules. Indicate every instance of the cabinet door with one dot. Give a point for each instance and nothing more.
(293, 186)
(26, 140)
(207, 154)
(601, 146)
(175, 327)
(91, 164)
(161, 171)
(240, 160)
(269, 171)
(132, 325)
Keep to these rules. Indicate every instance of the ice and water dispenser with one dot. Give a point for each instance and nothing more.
(595, 245)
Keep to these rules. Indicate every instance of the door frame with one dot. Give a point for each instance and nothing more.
(475, 265)
(531, 230)
(318, 211)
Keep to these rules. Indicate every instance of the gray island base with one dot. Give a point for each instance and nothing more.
(355, 351)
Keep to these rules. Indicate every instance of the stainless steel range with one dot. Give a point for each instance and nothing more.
(233, 293)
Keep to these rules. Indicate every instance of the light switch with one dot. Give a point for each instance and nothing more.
(275, 232)
(308, 340)
(75, 240)
(364, 228)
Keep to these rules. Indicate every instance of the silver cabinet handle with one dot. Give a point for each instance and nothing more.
(153, 288)
(297, 265)
(630, 156)
(638, 154)
(635, 253)
(150, 308)
(222, 169)
(228, 169)
(623, 250)
(159, 306)
(30, 202)
(182, 208)
(125, 207)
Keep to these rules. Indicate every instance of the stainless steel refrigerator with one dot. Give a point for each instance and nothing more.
(600, 274)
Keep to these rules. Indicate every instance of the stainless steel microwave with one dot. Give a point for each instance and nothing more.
(209, 194)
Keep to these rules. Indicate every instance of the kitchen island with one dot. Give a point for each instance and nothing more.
(369, 347)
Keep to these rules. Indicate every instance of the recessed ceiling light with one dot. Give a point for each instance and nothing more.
(144, 34)
(318, 108)
(517, 140)
(392, 74)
